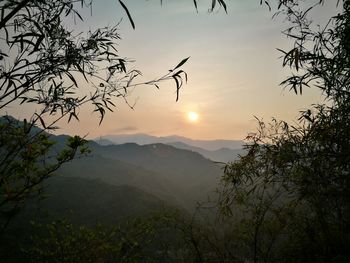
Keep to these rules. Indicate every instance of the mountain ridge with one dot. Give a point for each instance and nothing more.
(142, 139)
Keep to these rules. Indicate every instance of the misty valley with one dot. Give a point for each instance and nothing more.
(115, 184)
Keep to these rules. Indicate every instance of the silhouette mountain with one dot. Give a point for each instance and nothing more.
(221, 155)
(142, 139)
(177, 176)
(146, 175)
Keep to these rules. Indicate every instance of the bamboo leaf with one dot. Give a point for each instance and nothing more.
(223, 4)
(177, 87)
(181, 63)
(195, 5)
(41, 120)
(296, 58)
(213, 3)
(128, 14)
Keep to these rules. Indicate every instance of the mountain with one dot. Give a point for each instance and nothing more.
(142, 139)
(104, 142)
(221, 155)
(172, 162)
(118, 173)
(188, 176)
(90, 201)
(179, 177)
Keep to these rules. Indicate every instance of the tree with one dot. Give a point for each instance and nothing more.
(293, 184)
(26, 160)
(47, 64)
(165, 236)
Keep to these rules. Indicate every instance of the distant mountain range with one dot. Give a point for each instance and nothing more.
(117, 181)
(224, 155)
(179, 177)
(210, 145)
(215, 150)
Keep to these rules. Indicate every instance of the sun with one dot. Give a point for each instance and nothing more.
(192, 116)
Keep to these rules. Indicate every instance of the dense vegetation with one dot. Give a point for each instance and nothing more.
(285, 200)
(293, 185)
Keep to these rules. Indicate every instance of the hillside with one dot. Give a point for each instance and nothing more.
(117, 173)
(195, 176)
(90, 201)
(224, 155)
(179, 177)
(143, 139)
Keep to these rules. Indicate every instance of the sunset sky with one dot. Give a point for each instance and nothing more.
(234, 70)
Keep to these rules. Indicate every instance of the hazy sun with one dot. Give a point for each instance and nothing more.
(192, 116)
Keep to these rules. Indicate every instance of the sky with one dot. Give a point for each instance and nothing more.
(234, 69)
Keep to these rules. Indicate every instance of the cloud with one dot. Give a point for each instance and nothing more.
(125, 129)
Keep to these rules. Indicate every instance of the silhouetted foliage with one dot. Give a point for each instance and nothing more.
(162, 237)
(26, 161)
(48, 65)
(293, 185)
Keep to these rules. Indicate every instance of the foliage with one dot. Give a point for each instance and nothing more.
(292, 185)
(68, 243)
(45, 63)
(160, 237)
(320, 58)
(26, 161)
